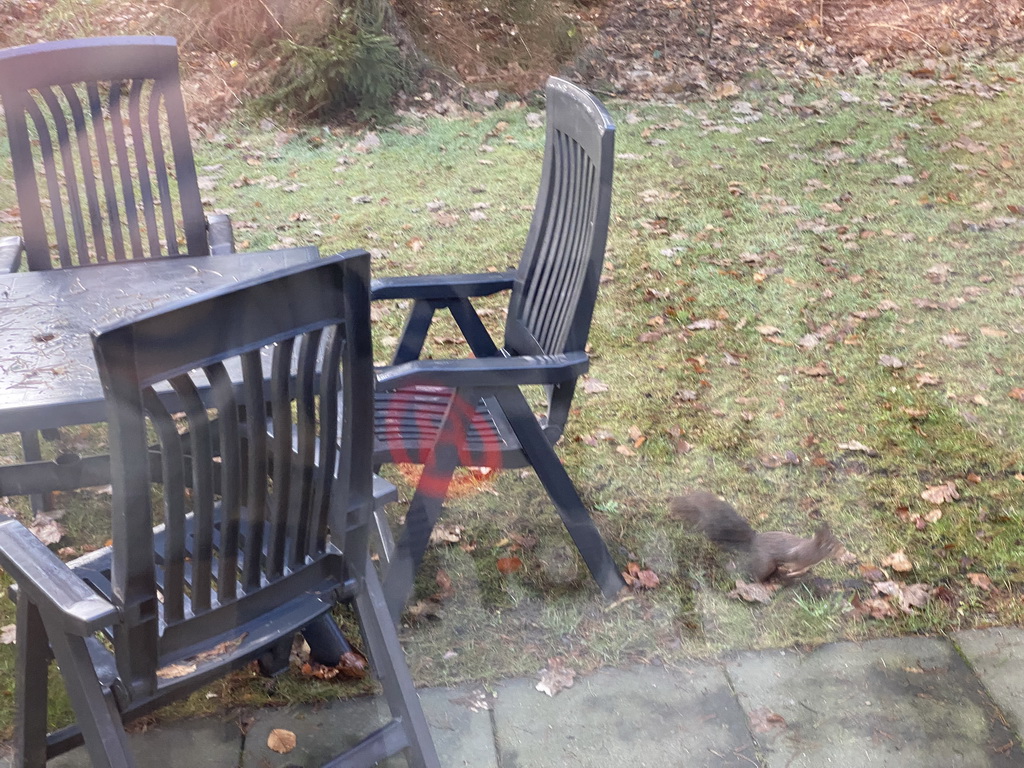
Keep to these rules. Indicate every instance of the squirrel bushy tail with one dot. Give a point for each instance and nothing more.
(766, 554)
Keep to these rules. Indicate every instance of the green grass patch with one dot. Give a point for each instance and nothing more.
(812, 306)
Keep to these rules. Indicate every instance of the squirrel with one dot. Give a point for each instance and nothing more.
(772, 553)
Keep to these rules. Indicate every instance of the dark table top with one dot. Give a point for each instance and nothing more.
(47, 374)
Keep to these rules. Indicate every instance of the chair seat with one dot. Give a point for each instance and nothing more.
(407, 423)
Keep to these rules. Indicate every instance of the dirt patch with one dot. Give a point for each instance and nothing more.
(655, 47)
(640, 49)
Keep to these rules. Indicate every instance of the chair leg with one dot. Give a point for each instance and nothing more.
(560, 488)
(40, 502)
(31, 672)
(424, 509)
(95, 709)
(388, 660)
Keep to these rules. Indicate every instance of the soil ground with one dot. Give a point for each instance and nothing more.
(639, 48)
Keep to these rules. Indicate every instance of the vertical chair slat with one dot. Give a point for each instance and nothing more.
(53, 190)
(59, 123)
(172, 475)
(230, 480)
(107, 176)
(327, 458)
(256, 468)
(85, 163)
(156, 99)
(305, 445)
(142, 169)
(124, 168)
(281, 457)
(201, 454)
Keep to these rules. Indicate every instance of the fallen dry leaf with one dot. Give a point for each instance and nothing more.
(980, 580)
(281, 741)
(7, 634)
(46, 529)
(640, 578)
(939, 494)
(173, 671)
(890, 361)
(555, 678)
(898, 561)
(507, 565)
(445, 534)
(763, 720)
(768, 330)
(592, 386)
(755, 592)
(873, 607)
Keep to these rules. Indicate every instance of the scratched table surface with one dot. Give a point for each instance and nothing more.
(48, 376)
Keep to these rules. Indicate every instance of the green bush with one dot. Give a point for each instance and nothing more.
(354, 67)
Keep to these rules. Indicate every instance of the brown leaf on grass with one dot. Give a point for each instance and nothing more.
(592, 386)
(980, 580)
(939, 494)
(890, 361)
(423, 609)
(703, 325)
(819, 370)
(444, 581)
(763, 720)
(555, 677)
(870, 572)
(445, 534)
(1017, 393)
(873, 607)
(768, 330)
(281, 741)
(993, 333)
(46, 529)
(755, 592)
(640, 578)
(954, 340)
(908, 596)
(856, 445)
(507, 565)
(927, 380)
(898, 561)
(7, 634)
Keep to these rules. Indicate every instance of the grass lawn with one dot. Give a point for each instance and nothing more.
(812, 306)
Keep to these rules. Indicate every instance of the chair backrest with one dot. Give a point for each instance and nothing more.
(556, 284)
(99, 144)
(248, 494)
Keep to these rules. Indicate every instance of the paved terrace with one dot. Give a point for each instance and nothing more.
(908, 702)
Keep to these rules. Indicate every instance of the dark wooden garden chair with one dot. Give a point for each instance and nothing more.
(264, 522)
(472, 412)
(102, 160)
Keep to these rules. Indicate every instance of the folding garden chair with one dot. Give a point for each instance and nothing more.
(472, 412)
(102, 161)
(263, 521)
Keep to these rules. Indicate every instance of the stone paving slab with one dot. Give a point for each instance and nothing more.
(209, 742)
(645, 717)
(997, 657)
(462, 737)
(910, 702)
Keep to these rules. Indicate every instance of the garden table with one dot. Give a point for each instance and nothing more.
(48, 376)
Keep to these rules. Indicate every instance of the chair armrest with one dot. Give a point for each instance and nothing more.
(441, 286)
(49, 583)
(11, 249)
(485, 372)
(219, 234)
